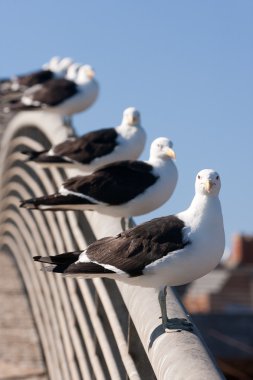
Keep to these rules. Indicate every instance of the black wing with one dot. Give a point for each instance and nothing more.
(115, 183)
(132, 250)
(43, 157)
(27, 80)
(89, 146)
(65, 263)
(37, 77)
(53, 200)
(55, 91)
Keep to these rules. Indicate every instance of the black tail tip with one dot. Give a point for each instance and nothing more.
(27, 204)
(30, 154)
(22, 204)
(36, 258)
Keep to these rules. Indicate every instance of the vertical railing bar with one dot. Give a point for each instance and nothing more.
(98, 328)
(89, 342)
(82, 361)
(117, 330)
(47, 296)
(47, 350)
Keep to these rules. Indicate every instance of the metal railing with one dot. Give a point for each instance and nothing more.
(94, 329)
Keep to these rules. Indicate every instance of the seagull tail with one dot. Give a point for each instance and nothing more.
(66, 263)
(33, 155)
(44, 202)
(58, 263)
(42, 157)
(18, 106)
(53, 202)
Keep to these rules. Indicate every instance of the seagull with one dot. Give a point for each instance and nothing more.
(61, 95)
(123, 188)
(72, 71)
(98, 147)
(166, 251)
(55, 68)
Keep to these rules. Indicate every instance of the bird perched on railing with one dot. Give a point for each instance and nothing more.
(123, 188)
(72, 71)
(56, 68)
(61, 95)
(167, 251)
(98, 147)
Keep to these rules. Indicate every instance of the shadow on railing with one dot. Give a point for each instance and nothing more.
(94, 329)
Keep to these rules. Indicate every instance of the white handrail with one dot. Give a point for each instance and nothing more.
(78, 322)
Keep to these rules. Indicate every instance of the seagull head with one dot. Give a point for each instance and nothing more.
(52, 64)
(131, 116)
(64, 64)
(72, 71)
(162, 148)
(86, 71)
(208, 182)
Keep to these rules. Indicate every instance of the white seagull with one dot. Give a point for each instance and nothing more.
(167, 251)
(72, 71)
(56, 68)
(123, 188)
(98, 147)
(61, 95)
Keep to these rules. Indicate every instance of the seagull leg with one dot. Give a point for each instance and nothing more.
(162, 302)
(172, 323)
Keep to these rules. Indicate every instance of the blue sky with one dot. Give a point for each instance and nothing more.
(186, 65)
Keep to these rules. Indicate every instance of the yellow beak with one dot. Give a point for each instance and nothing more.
(90, 73)
(134, 120)
(208, 185)
(171, 153)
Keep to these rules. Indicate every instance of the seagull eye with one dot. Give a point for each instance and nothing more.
(198, 176)
(217, 177)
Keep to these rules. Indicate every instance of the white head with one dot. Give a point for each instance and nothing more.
(207, 182)
(52, 64)
(64, 64)
(85, 73)
(131, 116)
(162, 148)
(73, 70)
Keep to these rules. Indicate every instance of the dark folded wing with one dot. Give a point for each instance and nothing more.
(55, 91)
(88, 147)
(37, 77)
(131, 251)
(67, 257)
(53, 200)
(116, 183)
(66, 263)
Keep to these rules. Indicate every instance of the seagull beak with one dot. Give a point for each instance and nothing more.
(170, 152)
(90, 73)
(134, 119)
(208, 185)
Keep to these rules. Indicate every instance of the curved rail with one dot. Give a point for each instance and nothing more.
(88, 329)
